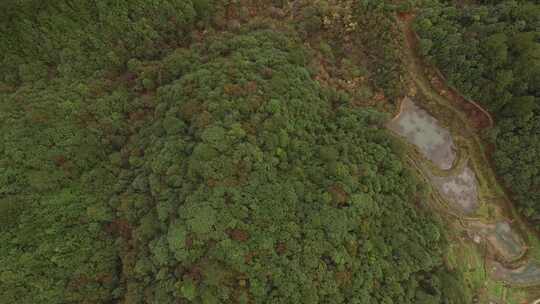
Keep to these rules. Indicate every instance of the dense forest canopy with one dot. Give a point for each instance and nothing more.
(177, 151)
(77, 38)
(491, 52)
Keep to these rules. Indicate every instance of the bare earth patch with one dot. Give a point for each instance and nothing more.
(460, 190)
(424, 131)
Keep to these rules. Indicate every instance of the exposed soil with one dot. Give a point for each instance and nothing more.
(423, 130)
(460, 190)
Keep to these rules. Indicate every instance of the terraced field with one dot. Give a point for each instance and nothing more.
(423, 130)
(445, 147)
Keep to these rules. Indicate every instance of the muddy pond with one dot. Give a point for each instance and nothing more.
(504, 241)
(416, 126)
(421, 129)
(459, 188)
(526, 275)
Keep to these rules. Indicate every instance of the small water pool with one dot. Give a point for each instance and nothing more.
(424, 131)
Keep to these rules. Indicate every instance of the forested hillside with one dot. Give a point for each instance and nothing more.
(490, 51)
(199, 151)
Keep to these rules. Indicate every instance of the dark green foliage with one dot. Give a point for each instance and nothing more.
(61, 138)
(491, 53)
(518, 162)
(53, 188)
(266, 194)
(74, 38)
(140, 165)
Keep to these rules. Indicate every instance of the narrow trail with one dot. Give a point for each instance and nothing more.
(472, 118)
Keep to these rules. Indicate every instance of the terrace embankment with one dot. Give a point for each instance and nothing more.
(446, 147)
